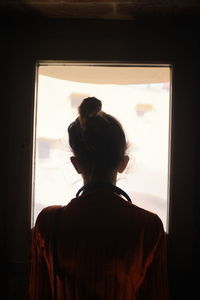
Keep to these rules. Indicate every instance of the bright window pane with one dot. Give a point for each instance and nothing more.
(139, 97)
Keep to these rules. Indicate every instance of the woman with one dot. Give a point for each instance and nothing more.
(100, 245)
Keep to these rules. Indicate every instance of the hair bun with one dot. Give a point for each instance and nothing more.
(89, 107)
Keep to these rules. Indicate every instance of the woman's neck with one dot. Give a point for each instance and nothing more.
(108, 179)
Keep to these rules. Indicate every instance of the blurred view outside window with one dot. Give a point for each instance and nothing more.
(139, 97)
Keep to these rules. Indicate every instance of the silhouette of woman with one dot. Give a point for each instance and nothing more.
(100, 246)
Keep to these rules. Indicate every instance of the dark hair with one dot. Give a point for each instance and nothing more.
(96, 138)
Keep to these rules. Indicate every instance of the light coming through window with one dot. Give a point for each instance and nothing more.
(138, 96)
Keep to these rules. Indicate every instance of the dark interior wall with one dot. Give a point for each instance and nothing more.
(23, 43)
(4, 146)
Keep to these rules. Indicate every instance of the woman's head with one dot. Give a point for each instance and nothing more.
(97, 140)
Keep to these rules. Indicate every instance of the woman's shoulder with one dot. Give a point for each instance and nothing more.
(48, 212)
(46, 218)
(148, 221)
(153, 228)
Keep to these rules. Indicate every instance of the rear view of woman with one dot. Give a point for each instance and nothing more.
(100, 246)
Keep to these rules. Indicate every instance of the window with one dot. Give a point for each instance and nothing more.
(138, 96)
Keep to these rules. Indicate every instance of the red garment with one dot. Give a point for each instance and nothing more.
(108, 249)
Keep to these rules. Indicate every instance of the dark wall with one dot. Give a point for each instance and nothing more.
(24, 41)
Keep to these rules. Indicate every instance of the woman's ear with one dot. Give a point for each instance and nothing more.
(76, 165)
(123, 164)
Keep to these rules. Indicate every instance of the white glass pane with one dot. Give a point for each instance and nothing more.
(139, 97)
